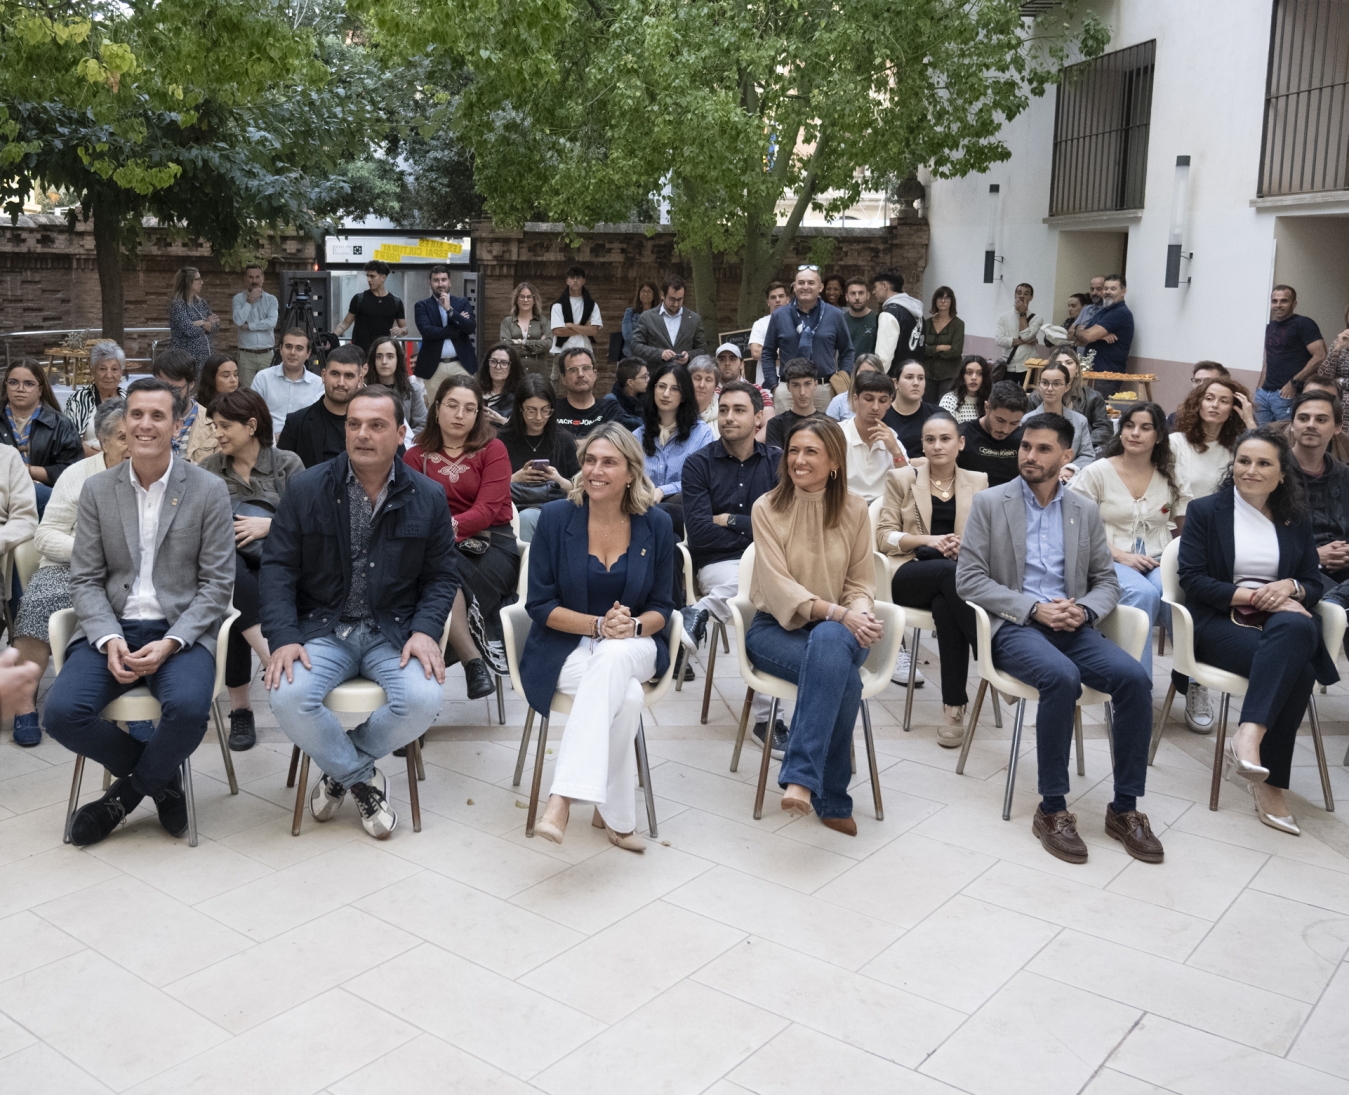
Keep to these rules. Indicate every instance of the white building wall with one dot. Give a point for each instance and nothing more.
(1208, 102)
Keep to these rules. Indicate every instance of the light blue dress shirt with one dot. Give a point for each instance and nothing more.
(666, 466)
(1043, 579)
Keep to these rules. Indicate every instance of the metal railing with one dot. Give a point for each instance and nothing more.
(1102, 120)
(46, 339)
(1304, 148)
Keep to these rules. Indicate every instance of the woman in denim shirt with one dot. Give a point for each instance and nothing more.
(671, 431)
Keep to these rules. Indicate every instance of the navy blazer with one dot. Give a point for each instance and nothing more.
(1208, 548)
(426, 314)
(558, 567)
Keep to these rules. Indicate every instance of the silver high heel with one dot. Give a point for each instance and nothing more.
(1283, 824)
(1245, 769)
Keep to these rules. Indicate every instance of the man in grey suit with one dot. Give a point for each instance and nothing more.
(670, 332)
(151, 578)
(1043, 598)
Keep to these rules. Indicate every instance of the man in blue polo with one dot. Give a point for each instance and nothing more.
(1111, 333)
(811, 328)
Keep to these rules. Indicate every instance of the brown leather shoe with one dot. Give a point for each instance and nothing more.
(1058, 833)
(1133, 831)
(845, 825)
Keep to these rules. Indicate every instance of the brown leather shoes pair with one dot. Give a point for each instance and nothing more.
(1057, 832)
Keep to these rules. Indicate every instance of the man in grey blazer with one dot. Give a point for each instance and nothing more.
(670, 332)
(1043, 597)
(151, 578)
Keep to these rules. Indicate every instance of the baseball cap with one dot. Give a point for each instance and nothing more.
(729, 348)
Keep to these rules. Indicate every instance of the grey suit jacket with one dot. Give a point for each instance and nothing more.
(992, 563)
(194, 554)
(650, 338)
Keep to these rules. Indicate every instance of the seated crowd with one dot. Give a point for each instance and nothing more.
(365, 522)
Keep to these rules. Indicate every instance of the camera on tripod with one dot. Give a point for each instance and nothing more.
(306, 307)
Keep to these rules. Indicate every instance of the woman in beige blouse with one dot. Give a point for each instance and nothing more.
(921, 522)
(814, 586)
(525, 331)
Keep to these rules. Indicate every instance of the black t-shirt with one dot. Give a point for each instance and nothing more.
(522, 450)
(374, 316)
(779, 424)
(996, 459)
(943, 516)
(581, 422)
(909, 427)
(1286, 352)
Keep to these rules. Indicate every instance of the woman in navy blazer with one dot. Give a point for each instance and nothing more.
(1258, 508)
(601, 572)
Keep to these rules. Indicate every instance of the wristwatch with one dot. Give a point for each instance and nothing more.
(637, 628)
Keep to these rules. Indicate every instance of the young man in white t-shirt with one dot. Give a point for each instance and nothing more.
(575, 319)
(874, 450)
(778, 295)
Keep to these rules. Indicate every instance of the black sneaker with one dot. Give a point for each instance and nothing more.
(695, 623)
(95, 821)
(480, 680)
(779, 737)
(402, 750)
(172, 806)
(377, 815)
(243, 734)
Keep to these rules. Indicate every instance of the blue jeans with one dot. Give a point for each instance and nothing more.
(1270, 406)
(1058, 663)
(182, 685)
(822, 660)
(347, 758)
(1139, 590)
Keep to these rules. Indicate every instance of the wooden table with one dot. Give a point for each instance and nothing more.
(73, 365)
(1143, 380)
(1033, 367)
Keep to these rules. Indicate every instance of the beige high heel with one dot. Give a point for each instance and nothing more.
(546, 829)
(629, 842)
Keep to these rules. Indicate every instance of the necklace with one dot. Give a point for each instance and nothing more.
(535, 447)
(943, 492)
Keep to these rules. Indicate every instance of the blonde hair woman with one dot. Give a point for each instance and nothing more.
(525, 331)
(601, 572)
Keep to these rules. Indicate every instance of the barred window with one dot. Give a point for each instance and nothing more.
(1101, 120)
(1305, 149)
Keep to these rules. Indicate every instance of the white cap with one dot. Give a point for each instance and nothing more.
(729, 348)
(1055, 335)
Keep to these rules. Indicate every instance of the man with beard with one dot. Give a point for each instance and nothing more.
(319, 431)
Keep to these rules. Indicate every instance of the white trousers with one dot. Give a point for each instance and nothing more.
(597, 762)
(719, 583)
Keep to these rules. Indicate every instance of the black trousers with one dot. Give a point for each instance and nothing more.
(238, 654)
(1277, 662)
(931, 584)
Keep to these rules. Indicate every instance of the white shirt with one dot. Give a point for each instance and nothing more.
(868, 465)
(1008, 330)
(557, 319)
(285, 396)
(447, 350)
(840, 407)
(672, 323)
(1255, 560)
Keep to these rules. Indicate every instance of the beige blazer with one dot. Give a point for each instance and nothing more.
(908, 506)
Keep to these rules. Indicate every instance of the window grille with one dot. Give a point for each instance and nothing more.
(1101, 120)
(1305, 148)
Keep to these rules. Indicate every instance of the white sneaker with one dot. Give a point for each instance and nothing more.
(1198, 709)
(377, 816)
(325, 798)
(901, 674)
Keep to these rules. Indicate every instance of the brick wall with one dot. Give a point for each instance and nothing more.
(48, 280)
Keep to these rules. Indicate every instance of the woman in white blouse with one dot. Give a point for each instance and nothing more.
(1207, 425)
(1142, 499)
(1249, 569)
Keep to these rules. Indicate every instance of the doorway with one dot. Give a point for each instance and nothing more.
(1082, 256)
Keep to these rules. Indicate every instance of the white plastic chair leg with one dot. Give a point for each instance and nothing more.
(644, 772)
(224, 746)
(915, 637)
(1017, 724)
(1320, 748)
(871, 761)
(191, 803)
(524, 748)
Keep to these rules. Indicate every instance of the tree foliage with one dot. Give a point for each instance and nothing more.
(579, 110)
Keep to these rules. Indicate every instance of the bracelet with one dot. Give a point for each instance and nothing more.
(596, 633)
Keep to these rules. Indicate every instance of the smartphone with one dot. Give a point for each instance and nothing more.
(539, 465)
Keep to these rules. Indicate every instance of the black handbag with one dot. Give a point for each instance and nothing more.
(616, 347)
(255, 507)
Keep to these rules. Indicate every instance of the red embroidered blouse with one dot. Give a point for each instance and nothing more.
(477, 485)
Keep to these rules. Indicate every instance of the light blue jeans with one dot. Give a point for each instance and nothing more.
(1139, 590)
(347, 758)
(1271, 407)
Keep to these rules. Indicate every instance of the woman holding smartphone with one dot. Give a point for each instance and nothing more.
(542, 453)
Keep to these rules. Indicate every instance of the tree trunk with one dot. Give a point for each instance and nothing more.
(108, 258)
(705, 293)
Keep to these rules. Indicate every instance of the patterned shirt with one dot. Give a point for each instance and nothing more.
(363, 516)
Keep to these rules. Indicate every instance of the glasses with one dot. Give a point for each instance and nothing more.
(808, 266)
(21, 385)
(1052, 385)
(504, 362)
(536, 412)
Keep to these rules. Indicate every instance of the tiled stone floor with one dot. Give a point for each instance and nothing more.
(941, 950)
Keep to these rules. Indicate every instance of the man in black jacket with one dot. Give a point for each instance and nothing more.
(329, 607)
(629, 391)
(1324, 479)
(319, 431)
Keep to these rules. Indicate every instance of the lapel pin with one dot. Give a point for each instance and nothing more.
(175, 501)
(643, 551)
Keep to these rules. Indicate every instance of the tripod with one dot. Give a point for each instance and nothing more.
(300, 313)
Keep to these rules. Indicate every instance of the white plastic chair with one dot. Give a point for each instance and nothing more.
(875, 673)
(515, 623)
(1126, 627)
(138, 704)
(1229, 684)
(360, 696)
(718, 628)
(918, 619)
